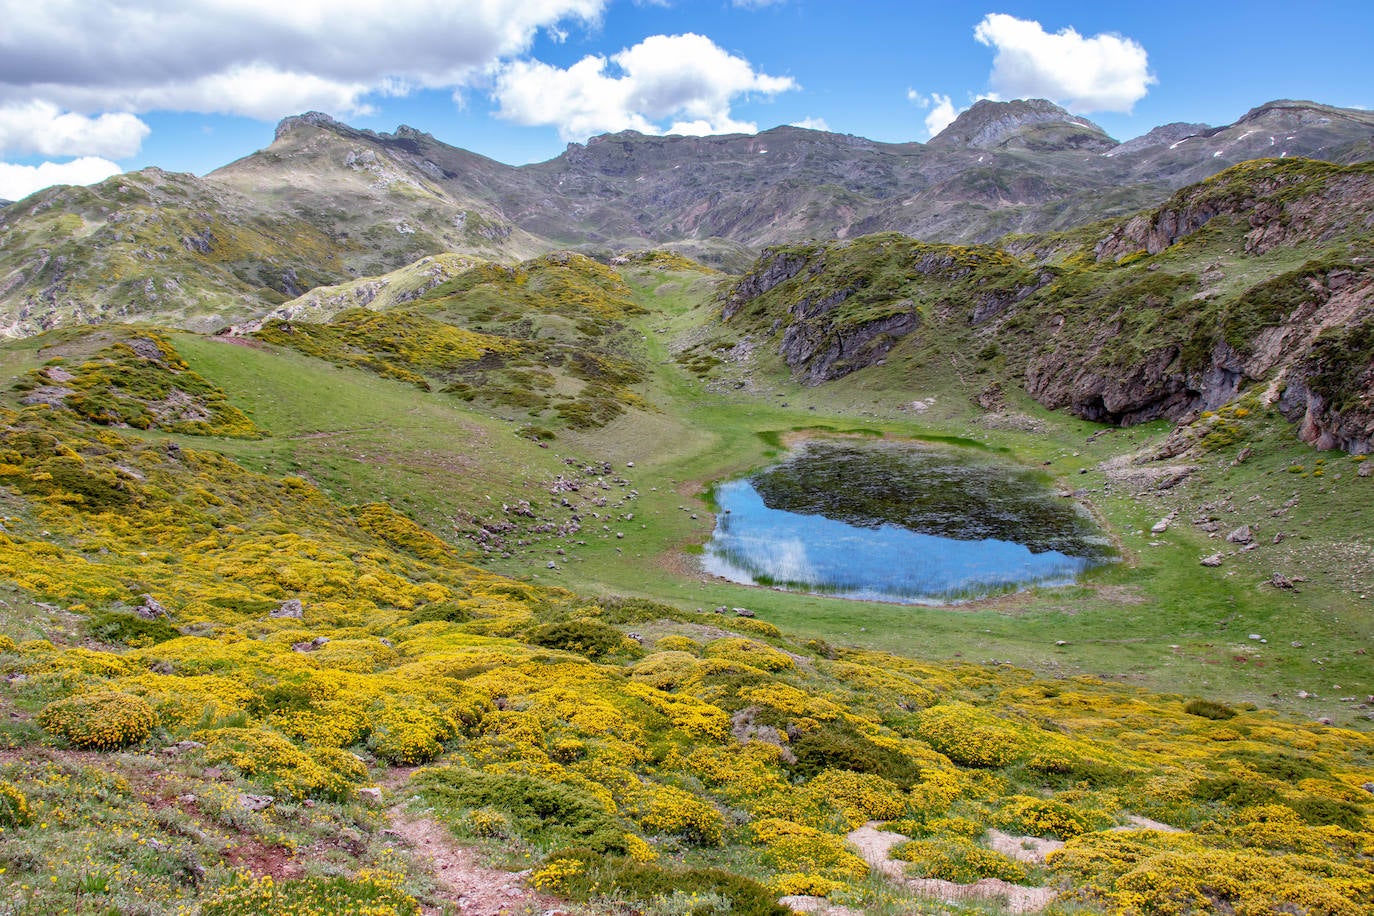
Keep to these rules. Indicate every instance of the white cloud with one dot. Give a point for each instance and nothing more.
(940, 113)
(43, 128)
(261, 58)
(1101, 73)
(812, 124)
(19, 181)
(685, 80)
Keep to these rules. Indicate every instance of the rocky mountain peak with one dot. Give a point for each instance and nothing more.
(1296, 111)
(1038, 123)
(1164, 135)
(307, 119)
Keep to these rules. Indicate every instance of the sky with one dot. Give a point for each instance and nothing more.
(89, 88)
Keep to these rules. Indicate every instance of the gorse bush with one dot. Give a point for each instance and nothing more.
(14, 807)
(959, 860)
(101, 721)
(314, 896)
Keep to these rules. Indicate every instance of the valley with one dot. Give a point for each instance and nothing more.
(350, 535)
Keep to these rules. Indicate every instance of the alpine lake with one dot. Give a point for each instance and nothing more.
(899, 522)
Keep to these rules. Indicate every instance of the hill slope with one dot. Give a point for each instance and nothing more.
(1257, 278)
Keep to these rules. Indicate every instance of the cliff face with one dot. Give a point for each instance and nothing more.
(1259, 280)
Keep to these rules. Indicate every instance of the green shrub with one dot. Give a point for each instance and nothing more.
(1208, 709)
(1230, 790)
(587, 873)
(1322, 812)
(130, 629)
(585, 637)
(839, 745)
(541, 812)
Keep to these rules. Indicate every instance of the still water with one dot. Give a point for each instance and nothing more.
(899, 523)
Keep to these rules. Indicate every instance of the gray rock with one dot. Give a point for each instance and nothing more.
(1242, 535)
(1213, 560)
(151, 609)
(291, 607)
(255, 802)
(742, 612)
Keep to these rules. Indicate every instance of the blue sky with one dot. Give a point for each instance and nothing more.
(89, 87)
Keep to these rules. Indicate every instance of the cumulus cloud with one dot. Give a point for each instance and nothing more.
(43, 128)
(940, 113)
(812, 124)
(19, 181)
(260, 58)
(1085, 74)
(677, 84)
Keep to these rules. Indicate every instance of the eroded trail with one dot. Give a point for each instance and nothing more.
(465, 884)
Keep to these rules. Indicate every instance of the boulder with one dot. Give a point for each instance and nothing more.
(1242, 535)
(292, 607)
(151, 609)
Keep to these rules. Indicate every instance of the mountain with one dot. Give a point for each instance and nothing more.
(1019, 166)
(153, 245)
(1029, 124)
(326, 203)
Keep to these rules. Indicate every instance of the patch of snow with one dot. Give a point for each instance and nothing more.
(1216, 154)
(1179, 143)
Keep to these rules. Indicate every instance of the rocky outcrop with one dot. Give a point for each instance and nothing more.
(773, 269)
(817, 350)
(1323, 426)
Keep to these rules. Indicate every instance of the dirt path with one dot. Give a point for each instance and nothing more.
(876, 846)
(468, 886)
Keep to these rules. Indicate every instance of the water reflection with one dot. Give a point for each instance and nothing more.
(758, 545)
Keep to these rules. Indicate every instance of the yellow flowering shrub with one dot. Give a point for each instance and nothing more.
(14, 807)
(1181, 875)
(181, 702)
(1045, 817)
(970, 736)
(665, 670)
(332, 723)
(673, 812)
(685, 712)
(555, 876)
(749, 652)
(638, 849)
(364, 895)
(754, 627)
(858, 797)
(280, 766)
(790, 884)
(958, 859)
(677, 643)
(796, 848)
(102, 721)
(410, 735)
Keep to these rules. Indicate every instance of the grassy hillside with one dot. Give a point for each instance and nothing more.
(620, 747)
(247, 584)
